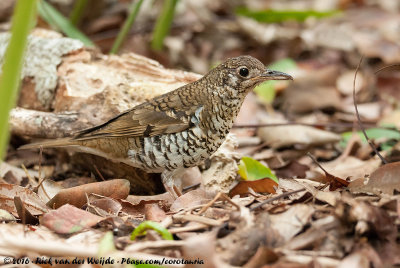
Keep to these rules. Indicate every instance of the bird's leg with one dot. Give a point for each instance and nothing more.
(171, 182)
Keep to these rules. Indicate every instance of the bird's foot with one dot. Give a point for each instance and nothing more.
(173, 190)
(169, 184)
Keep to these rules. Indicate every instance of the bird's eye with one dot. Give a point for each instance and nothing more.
(244, 72)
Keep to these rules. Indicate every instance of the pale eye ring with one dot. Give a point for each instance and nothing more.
(243, 71)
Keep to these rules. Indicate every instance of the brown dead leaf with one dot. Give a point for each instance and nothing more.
(69, 219)
(76, 196)
(203, 247)
(292, 169)
(259, 186)
(280, 136)
(135, 210)
(239, 247)
(362, 258)
(335, 182)
(292, 221)
(385, 179)
(190, 199)
(48, 189)
(350, 166)
(31, 200)
(344, 82)
(135, 205)
(17, 173)
(263, 256)
(310, 97)
(154, 213)
(76, 181)
(369, 219)
(106, 204)
(24, 214)
(313, 236)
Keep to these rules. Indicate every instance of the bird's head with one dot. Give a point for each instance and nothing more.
(242, 74)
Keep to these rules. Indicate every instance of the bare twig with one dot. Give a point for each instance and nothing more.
(190, 228)
(41, 180)
(386, 67)
(359, 119)
(40, 169)
(199, 219)
(276, 198)
(316, 162)
(344, 124)
(98, 173)
(218, 196)
(28, 175)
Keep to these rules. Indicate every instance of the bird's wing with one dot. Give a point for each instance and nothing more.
(145, 120)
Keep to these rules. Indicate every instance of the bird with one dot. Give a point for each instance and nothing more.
(176, 130)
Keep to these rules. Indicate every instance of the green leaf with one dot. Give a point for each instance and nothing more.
(373, 133)
(250, 169)
(133, 11)
(106, 244)
(163, 24)
(146, 225)
(77, 11)
(266, 91)
(56, 19)
(271, 15)
(23, 20)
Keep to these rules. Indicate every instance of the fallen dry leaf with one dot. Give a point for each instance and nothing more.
(154, 213)
(280, 136)
(109, 205)
(292, 221)
(383, 180)
(362, 258)
(190, 199)
(259, 186)
(69, 219)
(31, 200)
(48, 189)
(368, 219)
(25, 216)
(76, 196)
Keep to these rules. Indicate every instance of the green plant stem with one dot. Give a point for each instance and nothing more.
(57, 20)
(22, 22)
(133, 11)
(77, 11)
(163, 24)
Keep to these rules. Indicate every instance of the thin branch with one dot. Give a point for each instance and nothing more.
(276, 198)
(359, 118)
(303, 124)
(316, 162)
(386, 67)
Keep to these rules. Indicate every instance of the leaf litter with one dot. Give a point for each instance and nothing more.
(346, 215)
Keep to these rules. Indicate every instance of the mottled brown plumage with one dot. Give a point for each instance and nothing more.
(178, 129)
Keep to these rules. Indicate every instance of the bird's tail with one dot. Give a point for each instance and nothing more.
(63, 142)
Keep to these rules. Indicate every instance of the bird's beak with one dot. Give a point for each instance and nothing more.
(275, 75)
